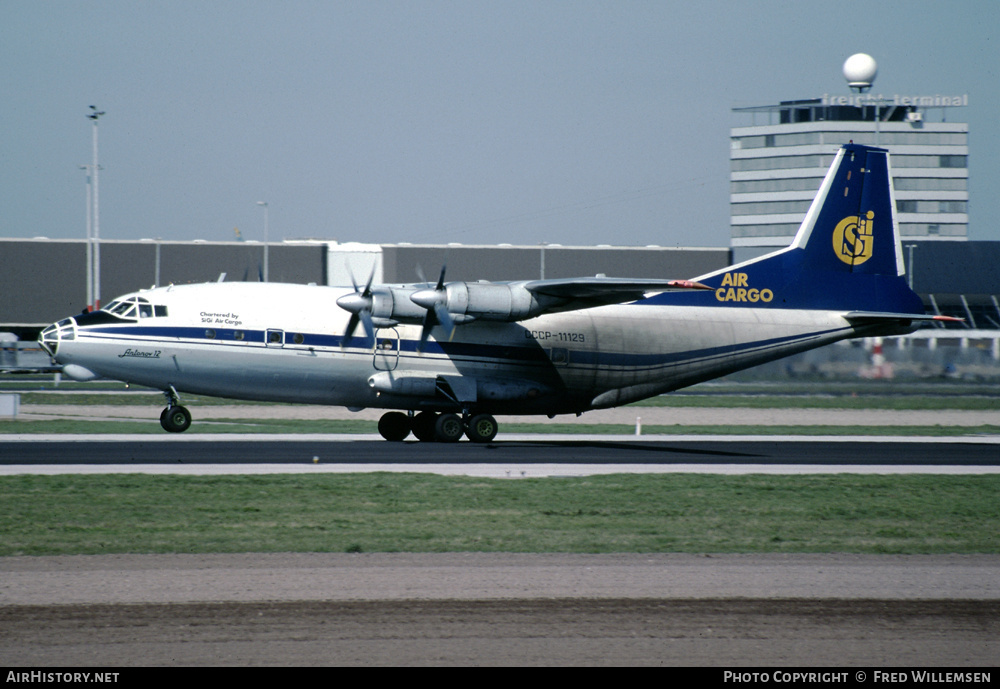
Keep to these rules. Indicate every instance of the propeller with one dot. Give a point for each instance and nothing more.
(360, 304)
(436, 302)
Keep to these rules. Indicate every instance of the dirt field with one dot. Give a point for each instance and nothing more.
(597, 632)
(481, 609)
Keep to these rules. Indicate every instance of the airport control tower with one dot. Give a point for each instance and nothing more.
(779, 160)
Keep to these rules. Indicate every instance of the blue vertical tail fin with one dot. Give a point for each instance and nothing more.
(846, 255)
(851, 226)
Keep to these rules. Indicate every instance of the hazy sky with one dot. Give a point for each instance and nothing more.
(429, 122)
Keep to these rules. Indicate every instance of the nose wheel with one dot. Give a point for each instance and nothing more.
(175, 419)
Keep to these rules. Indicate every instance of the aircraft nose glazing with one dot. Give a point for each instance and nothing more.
(52, 336)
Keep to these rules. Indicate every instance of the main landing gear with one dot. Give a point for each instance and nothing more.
(429, 426)
(175, 418)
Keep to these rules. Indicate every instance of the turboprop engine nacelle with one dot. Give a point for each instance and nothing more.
(466, 301)
(386, 305)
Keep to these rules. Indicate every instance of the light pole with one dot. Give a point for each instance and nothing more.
(90, 244)
(96, 239)
(264, 204)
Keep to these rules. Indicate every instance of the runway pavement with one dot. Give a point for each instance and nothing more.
(517, 457)
(645, 415)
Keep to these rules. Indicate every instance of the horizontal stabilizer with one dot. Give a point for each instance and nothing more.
(882, 317)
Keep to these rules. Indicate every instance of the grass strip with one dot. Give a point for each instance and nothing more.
(132, 513)
(864, 401)
(927, 402)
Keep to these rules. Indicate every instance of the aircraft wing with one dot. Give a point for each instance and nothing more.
(598, 291)
(454, 303)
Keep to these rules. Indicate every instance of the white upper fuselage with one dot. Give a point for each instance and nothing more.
(282, 342)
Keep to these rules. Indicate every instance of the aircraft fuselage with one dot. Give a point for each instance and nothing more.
(283, 343)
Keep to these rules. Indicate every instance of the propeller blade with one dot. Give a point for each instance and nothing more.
(364, 317)
(352, 325)
(436, 302)
(360, 304)
(366, 320)
(445, 319)
(368, 284)
(430, 320)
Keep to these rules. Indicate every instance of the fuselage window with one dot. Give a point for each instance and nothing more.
(298, 338)
(160, 311)
(274, 337)
(560, 356)
(238, 335)
(210, 334)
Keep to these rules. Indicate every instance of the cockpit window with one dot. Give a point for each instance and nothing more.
(125, 309)
(135, 307)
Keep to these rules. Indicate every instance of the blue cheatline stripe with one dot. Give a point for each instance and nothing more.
(318, 340)
(469, 352)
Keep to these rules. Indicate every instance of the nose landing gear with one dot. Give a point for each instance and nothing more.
(175, 418)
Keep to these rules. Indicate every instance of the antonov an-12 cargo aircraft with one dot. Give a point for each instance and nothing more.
(446, 358)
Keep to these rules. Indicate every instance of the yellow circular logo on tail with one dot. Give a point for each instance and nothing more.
(852, 239)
